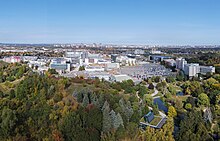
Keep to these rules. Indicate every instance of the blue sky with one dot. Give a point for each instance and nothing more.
(159, 22)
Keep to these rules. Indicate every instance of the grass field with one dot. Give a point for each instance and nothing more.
(7, 86)
(155, 121)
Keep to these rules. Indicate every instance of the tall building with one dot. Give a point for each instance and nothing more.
(114, 57)
(191, 69)
(180, 63)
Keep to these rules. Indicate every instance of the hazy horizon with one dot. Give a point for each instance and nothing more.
(141, 22)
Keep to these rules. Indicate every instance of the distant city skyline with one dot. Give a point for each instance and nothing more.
(143, 22)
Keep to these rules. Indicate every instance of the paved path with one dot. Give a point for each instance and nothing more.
(156, 97)
(155, 92)
(140, 99)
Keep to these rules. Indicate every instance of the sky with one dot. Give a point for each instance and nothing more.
(150, 22)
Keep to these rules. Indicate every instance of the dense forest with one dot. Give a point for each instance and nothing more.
(51, 108)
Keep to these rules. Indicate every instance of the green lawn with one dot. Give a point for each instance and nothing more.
(7, 86)
(159, 94)
(142, 119)
(155, 121)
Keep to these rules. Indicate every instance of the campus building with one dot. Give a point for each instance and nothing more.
(206, 69)
(180, 63)
(191, 69)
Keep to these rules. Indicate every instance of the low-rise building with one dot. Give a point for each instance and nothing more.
(94, 68)
(59, 64)
(12, 59)
(158, 58)
(100, 75)
(207, 69)
(139, 51)
(170, 62)
(111, 66)
(119, 78)
(29, 58)
(126, 61)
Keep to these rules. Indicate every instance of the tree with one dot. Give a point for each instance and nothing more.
(180, 76)
(52, 71)
(187, 91)
(157, 79)
(107, 125)
(155, 109)
(126, 109)
(149, 100)
(119, 121)
(203, 99)
(188, 106)
(1, 94)
(209, 82)
(196, 88)
(142, 90)
(85, 100)
(71, 127)
(191, 100)
(93, 122)
(12, 94)
(178, 104)
(192, 127)
(151, 86)
(8, 122)
(163, 134)
(170, 79)
(112, 116)
(95, 100)
(172, 112)
(172, 90)
(81, 68)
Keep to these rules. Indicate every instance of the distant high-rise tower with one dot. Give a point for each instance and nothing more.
(180, 63)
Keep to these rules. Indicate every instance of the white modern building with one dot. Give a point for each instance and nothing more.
(170, 62)
(82, 57)
(59, 64)
(191, 69)
(126, 61)
(139, 51)
(75, 54)
(100, 75)
(111, 66)
(94, 68)
(206, 69)
(119, 78)
(180, 63)
(29, 58)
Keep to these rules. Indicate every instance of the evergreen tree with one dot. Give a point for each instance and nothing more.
(118, 121)
(113, 119)
(85, 100)
(8, 122)
(192, 128)
(126, 109)
(106, 118)
(95, 101)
